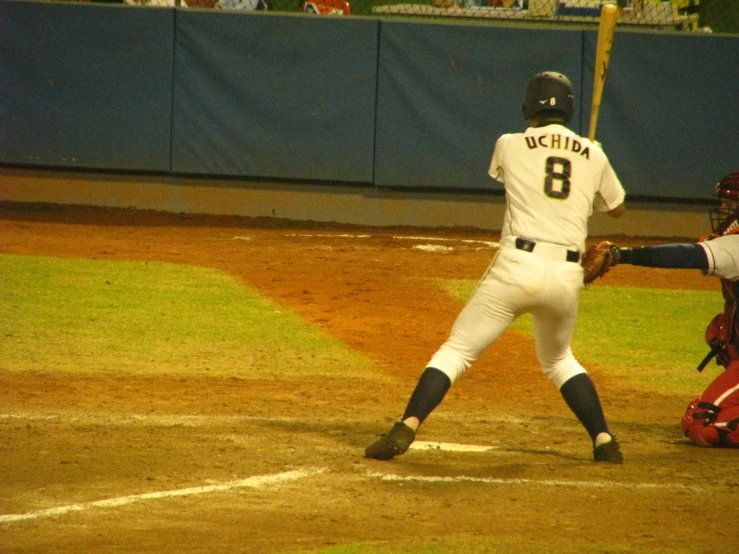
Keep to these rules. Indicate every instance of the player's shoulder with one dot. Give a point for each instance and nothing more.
(508, 136)
(586, 143)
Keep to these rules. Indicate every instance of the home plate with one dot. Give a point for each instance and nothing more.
(450, 446)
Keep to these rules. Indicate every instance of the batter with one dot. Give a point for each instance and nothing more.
(553, 179)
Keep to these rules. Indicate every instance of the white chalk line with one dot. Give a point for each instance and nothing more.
(185, 420)
(250, 482)
(538, 482)
(172, 420)
(491, 244)
(450, 446)
(327, 235)
(432, 247)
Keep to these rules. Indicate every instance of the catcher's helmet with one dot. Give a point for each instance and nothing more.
(725, 217)
(549, 91)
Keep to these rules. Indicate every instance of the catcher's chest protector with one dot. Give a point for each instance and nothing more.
(712, 419)
(730, 291)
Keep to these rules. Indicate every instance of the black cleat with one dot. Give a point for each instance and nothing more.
(393, 443)
(609, 452)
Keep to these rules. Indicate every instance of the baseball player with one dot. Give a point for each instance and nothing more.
(712, 419)
(553, 179)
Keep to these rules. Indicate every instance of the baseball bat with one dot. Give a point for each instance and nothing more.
(606, 30)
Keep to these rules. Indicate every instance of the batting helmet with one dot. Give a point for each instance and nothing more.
(549, 91)
(725, 217)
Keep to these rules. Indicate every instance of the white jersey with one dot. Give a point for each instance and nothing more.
(723, 257)
(553, 178)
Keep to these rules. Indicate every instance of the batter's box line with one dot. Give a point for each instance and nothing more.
(250, 482)
(535, 482)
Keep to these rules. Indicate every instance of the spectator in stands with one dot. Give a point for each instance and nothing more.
(260, 5)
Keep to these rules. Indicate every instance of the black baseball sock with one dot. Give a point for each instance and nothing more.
(582, 398)
(429, 392)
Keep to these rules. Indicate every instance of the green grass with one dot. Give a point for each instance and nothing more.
(100, 316)
(147, 318)
(652, 338)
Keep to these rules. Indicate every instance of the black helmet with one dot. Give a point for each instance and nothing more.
(549, 91)
(724, 217)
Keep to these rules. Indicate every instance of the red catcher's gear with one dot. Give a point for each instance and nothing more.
(712, 419)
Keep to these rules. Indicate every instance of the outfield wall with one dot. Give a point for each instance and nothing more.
(238, 103)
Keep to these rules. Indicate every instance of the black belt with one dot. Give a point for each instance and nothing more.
(528, 246)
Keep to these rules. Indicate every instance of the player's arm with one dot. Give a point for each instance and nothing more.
(496, 167)
(611, 196)
(675, 256)
(618, 211)
(601, 206)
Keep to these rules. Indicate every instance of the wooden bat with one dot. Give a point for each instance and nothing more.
(606, 30)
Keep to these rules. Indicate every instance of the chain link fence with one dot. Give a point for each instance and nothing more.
(719, 16)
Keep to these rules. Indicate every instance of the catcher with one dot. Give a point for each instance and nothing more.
(712, 419)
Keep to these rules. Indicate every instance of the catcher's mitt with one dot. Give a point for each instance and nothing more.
(598, 260)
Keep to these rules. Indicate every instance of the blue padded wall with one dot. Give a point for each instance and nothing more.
(446, 93)
(667, 119)
(85, 86)
(264, 95)
(358, 100)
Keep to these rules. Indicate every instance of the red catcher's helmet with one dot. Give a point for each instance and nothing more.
(725, 218)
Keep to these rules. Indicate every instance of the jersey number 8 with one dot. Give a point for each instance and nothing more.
(558, 172)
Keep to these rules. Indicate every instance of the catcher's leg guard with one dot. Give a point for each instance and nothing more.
(712, 419)
(703, 435)
(698, 423)
(687, 420)
(728, 425)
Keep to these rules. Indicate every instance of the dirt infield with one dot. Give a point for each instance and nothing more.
(238, 464)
